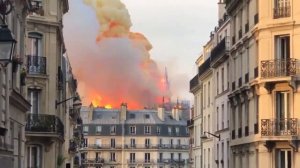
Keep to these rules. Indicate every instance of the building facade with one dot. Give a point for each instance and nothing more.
(13, 105)
(122, 138)
(261, 91)
(50, 88)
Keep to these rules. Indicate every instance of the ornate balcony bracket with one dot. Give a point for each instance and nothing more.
(269, 145)
(294, 144)
(269, 86)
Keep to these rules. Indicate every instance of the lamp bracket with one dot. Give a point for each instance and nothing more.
(5, 8)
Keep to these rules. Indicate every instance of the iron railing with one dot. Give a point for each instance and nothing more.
(282, 12)
(279, 127)
(194, 82)
(36, 64)
(204, 67)
(222, 47)
(72, 146)
(280, 67)
(93, 161)
(44, 124)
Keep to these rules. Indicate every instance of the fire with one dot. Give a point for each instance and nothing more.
(108, 106)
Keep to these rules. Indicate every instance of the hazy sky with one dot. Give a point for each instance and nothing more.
(177, 30)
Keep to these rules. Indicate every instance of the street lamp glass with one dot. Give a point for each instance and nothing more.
(7, 44)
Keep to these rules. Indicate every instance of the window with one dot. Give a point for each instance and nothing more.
(85, 144)
(160, 142)
(178, 142)
(132, 157)
(282, 47)
(158, 130)
(171, 142)
(208, 93)
(132, 116)
(283, 158)
(169, 130)
(34, 155)
(223, 114)
(85, 129)
(147, 157)
(147, 143)
(98, 129)
(177, 130)
(217, 118)
(282, 9)
(113, 142)
(147, 116)
(172, 156)
(217, 82)
(98, 142)
(34, 99)
(147, 129)
(179, 156)
(113, 156)
(161, 157)
(113, 129)
(132, 129)
(222, 79)
(132, 142)
(34, 44)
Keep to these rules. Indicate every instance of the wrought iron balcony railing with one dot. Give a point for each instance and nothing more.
(36, 64)
(93, 161)
(194, 82)
(279, 127)
(44, 124)
(72, 146)
(282, 12)
(280, 68)
(220, 50)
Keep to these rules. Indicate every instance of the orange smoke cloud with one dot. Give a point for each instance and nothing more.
(120, 69)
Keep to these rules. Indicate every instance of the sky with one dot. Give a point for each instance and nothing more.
(176, 29)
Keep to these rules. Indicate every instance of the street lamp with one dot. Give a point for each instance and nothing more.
(7, 41)
(204, 136)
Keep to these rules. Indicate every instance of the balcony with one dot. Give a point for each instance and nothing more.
(93, 162)
(282, 12)
(204, 67)
(107, 147)
(36, 65)
(280, 127)
(49, 125)
(135, 161)
(280, 68)
(194, 82)
(72, 146)
(190, 123)
(219, 52)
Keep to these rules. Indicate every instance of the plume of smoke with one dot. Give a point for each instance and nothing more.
(120, 68)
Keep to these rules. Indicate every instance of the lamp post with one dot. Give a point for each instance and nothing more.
(205, 137)
(7, 41)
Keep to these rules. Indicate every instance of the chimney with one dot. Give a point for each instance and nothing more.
(221, 9)
(161, 113)
(90, 112)
(176, 113)
(123, 112)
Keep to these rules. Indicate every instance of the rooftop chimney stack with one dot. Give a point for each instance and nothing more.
(123, 112)
(161, 113)
(177, 113)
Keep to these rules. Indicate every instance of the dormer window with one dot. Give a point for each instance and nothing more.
(147, 116)
(131, 116)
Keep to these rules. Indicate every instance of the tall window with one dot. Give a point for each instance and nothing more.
(169, 130)
(283, 158)
(34, 99)
(132, 157)
(85, 129)
(113, 156)
(147, 142)
(158, 130)
(147, 157)
(217, 118)
(161, 156)
(113, 142)
(98, 129)
(208, 94)
(34, 156)
(282, 9)
(147, 129)
(177, 130)
(34, 46)
(222, 79)
(132, 142)
(113, 129)
(172, 156)
(282, 47)
(98, 142)
(217, 82)
(132, 129)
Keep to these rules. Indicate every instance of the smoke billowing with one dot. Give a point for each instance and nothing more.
(119, 69)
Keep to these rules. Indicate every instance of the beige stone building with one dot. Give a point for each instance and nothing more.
(51, 88)
(263, 78)
(122, 138)
(13, 105)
